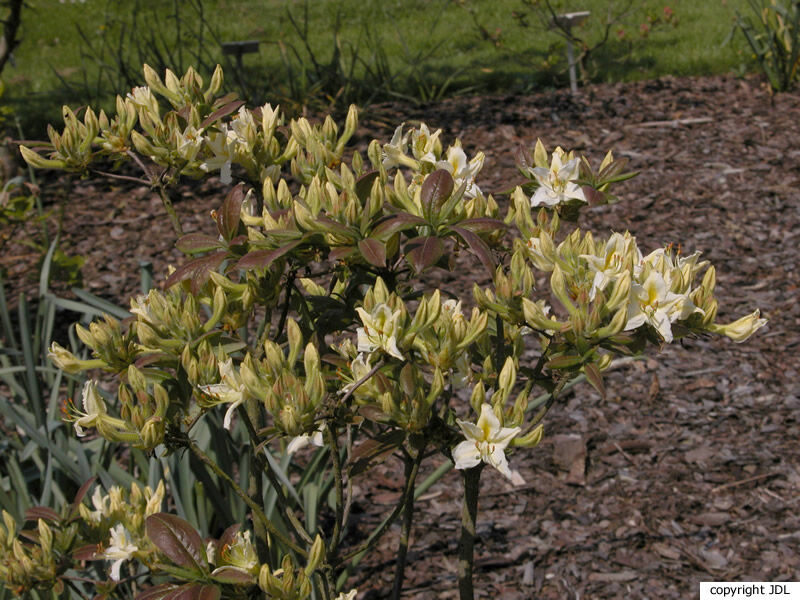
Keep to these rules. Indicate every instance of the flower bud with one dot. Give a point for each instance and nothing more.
(530, 439)
(740, 329)
(215, 85)
(315, 556)
(38, 162)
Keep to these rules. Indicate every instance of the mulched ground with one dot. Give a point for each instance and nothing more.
(689, 471)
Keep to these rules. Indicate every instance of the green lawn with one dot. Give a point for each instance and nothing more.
(419, 49)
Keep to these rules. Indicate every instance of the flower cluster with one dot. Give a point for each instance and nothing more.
(306, 316)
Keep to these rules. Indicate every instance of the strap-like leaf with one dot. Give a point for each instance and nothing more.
(177, 540)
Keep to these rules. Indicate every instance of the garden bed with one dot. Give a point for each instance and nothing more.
(689, 469)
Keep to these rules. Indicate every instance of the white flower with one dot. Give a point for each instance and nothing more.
(461, 170)
(394, 153)
(230, 390)
(143, 99)
(486, 441)
(652, 303)
(611, 264)
(189, 143)
(351, 595)
(102, 505)
(120, 549)
(94, 408)
(379, 331)
(222, 144)
(557, 184)
(301, 441)
(424, 144)
(244, 126)
(453, 308)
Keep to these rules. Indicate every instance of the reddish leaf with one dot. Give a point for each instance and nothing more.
(197, 242)
(84, 489)
(229, 215)
(563, 362)
(87, 552)
(373, 251)
(391, 224)
(593, 197)
(364, 185)
(523, 158)
(195, 591)
(478, 247)
(35, 513)
(613, 169)
(335, 226)
(239, 240)
(422, 252)
(594, 377)
(375, 451)
(260, 259)
(158, 592)
(233, 575)
(435, 190)
(341, 252)
(197, 270)
(229, 535)
(222, 112)
(177, 540)
(483, 224)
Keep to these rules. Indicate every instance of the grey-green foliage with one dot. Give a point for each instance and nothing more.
(772, 29)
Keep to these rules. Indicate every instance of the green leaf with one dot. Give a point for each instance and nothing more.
(178, 541)
(373, 251)
(422, 252)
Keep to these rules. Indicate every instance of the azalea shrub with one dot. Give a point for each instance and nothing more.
(303, 323)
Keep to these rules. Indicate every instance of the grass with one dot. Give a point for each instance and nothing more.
(419, 49)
